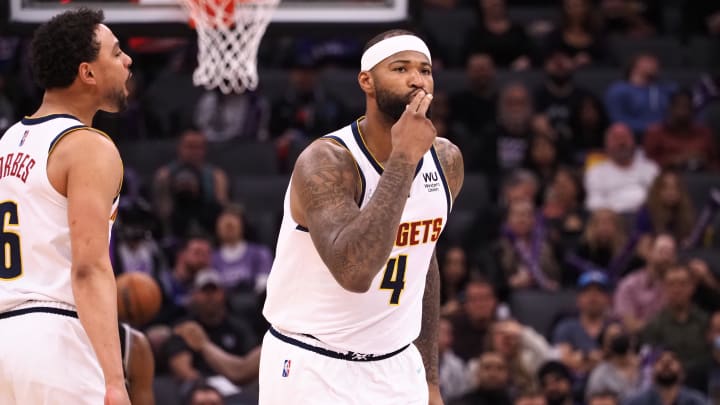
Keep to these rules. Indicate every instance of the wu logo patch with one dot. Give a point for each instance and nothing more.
(432, 181)
(22, 140)
(286, 368)
(428, 177)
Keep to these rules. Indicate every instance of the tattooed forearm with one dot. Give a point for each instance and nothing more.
(452, 163)
(353, 243)
(427, 341)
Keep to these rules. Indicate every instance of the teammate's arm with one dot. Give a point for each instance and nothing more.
(141, 370)
(86, 167)
(427, 342)
(355, 243)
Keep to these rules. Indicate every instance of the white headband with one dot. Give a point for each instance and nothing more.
(390, 46)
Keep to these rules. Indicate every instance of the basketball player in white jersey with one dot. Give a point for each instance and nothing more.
(353, 297)
(59, 186)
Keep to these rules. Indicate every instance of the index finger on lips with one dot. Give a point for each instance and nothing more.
(425, 104)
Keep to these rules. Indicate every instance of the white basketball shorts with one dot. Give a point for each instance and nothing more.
(46, 358)
(298, 369)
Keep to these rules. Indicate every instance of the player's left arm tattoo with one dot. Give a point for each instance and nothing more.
(427, 342)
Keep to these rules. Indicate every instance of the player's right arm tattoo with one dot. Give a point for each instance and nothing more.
(353, 243)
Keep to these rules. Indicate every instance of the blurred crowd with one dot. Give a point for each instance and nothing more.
(590, 222)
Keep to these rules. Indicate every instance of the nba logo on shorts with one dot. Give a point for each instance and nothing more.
(286, 368)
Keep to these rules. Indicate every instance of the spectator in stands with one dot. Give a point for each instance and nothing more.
(559, 93)
(453, 372)
(305, 110)
(473, 109)
(530, 396)
(242, 265)
(556, 381)
(705, 376)
(563, 209)
(639, 296)
(178, 283)
(542, 158)
(706, 99)
(202, 393)
(133, 248)
(471, 326)
(577, 338)
(668, 388)
(680, 326)
(619, 371)
(491, 379)
(455, 275)
(700, 18)
(524, 253)
(7, 110)
(496, 35)
(524, 351)
(678, 142)
(668, 209)
(222, 117)
(188, 192)
(632, 18)
(605, 246)
(603, 398)
(707, 286)
(517, 185)
(171, 96)
(579, 33)
(588, 124)
(513, 128)
(641, 99)
(621, 182)
(207, 308)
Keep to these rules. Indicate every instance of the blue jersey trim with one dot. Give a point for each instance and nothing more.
(40, 120)
(63, 133)
(448, 197)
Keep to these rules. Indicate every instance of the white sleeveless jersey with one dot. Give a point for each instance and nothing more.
(304, 298)
(35, 253)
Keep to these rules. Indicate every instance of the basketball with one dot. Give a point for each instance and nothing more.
(139, 298)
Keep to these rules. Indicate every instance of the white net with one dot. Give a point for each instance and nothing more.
(229, 34)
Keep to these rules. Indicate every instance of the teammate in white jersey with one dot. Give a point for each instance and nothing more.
(353, 295)
(59, 185)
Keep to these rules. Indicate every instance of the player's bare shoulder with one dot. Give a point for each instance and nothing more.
(325, 171)
(452, 164)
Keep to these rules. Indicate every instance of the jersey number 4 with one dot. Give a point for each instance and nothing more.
(11, 263)
(394, 278)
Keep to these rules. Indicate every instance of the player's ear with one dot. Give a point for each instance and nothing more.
(365, 80)
(85, 73)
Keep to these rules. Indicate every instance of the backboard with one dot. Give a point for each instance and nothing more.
(170, 11)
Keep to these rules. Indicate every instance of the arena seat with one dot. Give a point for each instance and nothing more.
(540, 309)
(244, 158)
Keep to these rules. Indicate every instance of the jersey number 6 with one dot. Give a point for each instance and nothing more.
(11, 263)
(394, 278)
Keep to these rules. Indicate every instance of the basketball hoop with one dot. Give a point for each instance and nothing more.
(229, 34)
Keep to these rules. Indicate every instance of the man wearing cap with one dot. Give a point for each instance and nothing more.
(353, 295)
(577, 337)
(207, 307)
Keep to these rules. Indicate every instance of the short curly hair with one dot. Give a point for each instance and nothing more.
(62, 44)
